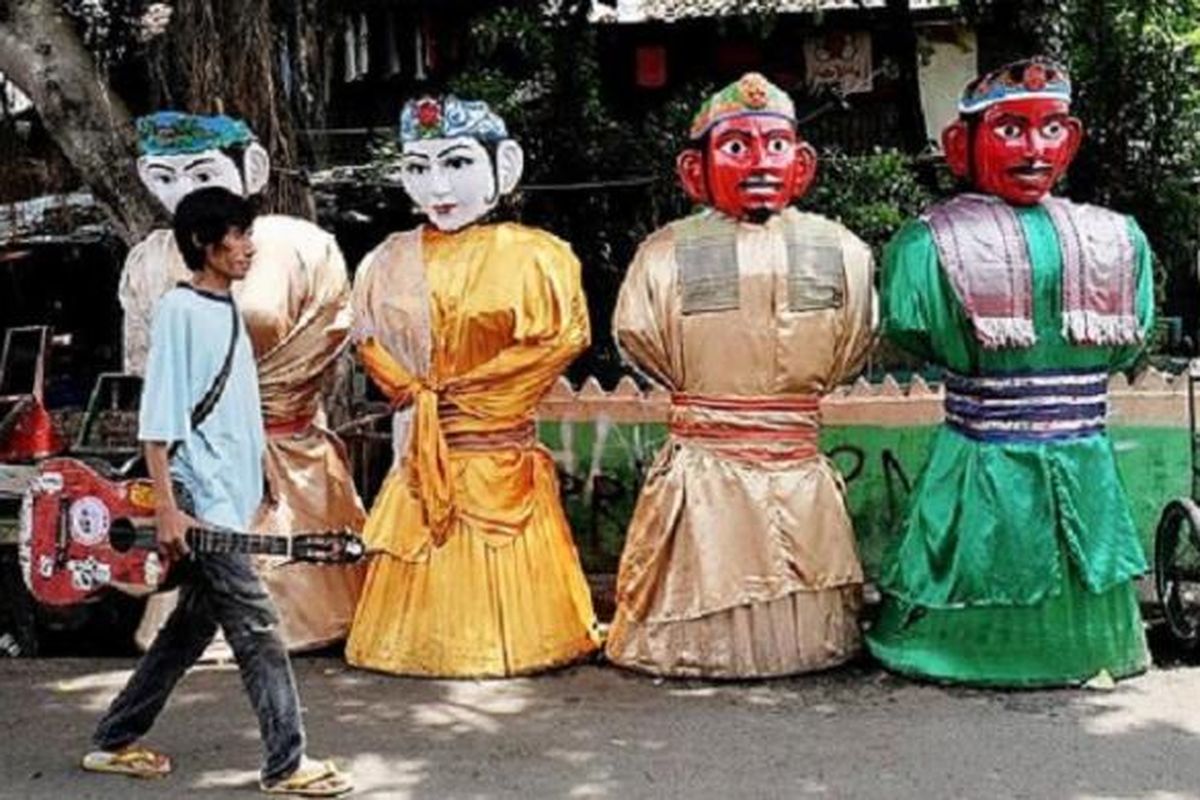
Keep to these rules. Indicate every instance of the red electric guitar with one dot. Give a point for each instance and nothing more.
(82, 533)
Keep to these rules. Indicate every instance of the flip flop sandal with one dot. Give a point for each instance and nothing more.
(312, 779)
(136, 762)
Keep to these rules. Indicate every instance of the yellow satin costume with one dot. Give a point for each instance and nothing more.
(296, 303)
(474, 572)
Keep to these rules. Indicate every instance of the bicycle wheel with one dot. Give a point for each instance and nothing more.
(1177, 569)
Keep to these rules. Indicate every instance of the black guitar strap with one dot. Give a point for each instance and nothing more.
(209, 401)
(211, 397)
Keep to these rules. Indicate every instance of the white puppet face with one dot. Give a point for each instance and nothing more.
(172, 177)
(454, 182)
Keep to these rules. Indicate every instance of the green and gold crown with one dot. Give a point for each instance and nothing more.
(752, 94)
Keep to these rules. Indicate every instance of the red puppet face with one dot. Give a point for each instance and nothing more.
(752, 168)
(1020, 150)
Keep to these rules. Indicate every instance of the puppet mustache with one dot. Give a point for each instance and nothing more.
(761, 182)
(1034, 168)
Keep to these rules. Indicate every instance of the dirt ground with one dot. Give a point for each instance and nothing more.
(594, 731)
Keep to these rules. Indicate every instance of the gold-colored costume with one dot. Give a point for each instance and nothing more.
(740, 559)
(474, 571)
(296, 303)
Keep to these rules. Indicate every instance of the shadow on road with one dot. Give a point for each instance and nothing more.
(598, 732)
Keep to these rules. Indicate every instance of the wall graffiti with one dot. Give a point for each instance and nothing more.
(603, 441)
(601, 464)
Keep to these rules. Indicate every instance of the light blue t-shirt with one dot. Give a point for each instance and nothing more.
(220, 463)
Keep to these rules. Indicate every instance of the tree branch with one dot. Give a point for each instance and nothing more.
(42, 54)
(15, 58)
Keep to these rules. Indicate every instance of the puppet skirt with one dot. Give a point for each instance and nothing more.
(1067, 639)
(799, 632)
(473, 609)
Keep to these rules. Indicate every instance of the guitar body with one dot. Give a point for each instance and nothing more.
(67, 553)
(82, 534)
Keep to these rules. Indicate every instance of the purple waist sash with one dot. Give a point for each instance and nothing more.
(1041, 407)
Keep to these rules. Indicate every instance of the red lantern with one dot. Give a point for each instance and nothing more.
(651, 61)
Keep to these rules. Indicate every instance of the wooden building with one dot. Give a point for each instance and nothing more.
(865, 73)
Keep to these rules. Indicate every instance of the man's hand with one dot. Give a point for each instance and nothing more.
(172, 524)
(172, 527)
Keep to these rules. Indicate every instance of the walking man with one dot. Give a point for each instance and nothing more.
(208, 466)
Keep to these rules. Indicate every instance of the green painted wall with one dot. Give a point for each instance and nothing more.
(602, 462)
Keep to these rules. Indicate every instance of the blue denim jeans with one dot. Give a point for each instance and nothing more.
(218, 589)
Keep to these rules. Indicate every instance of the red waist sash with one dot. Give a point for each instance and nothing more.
(748, 428)
(289, 427)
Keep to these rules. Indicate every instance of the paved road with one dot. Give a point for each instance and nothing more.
(596, 732)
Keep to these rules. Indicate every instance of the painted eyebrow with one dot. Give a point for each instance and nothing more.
(452, 148)
(1022, 118)
(198, 162)
(421, 156)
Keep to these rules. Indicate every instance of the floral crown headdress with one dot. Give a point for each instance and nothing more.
(447, 118)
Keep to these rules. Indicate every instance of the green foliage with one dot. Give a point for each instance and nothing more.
(872, 195)
(542, 75)
(109, 29)
(1137, 89)
(1139, 93)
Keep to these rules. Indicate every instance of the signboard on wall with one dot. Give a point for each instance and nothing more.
(839, 60)
(949, 60)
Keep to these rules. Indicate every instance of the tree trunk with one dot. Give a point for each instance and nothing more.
(42, 54)
(912, 121)
(224, 57)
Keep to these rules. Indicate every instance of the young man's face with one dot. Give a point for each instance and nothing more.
(231, 257)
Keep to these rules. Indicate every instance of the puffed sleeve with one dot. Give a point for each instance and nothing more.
(1123, 357)
(913, 308)
(551, 328)
(144, 279)
(860, 310)
(646, 321)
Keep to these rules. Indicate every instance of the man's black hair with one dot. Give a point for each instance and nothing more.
(204, 217)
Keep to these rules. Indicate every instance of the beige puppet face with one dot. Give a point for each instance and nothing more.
(172, 177)
(454, 182)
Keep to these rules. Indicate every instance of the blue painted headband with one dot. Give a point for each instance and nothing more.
(1021, 80)
(168, 133)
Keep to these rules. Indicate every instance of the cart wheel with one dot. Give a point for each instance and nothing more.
(1177, 569)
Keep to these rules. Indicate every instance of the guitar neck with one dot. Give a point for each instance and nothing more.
(317, 547)
(212, 540)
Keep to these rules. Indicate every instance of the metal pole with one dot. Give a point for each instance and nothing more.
(1193, 366)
